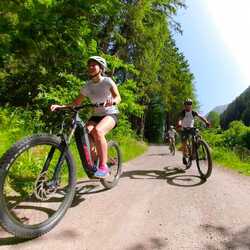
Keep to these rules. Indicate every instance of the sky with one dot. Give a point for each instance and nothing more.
(216, 43)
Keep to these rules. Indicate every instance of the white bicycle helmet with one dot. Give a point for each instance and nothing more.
(101, 61)
(188, 101)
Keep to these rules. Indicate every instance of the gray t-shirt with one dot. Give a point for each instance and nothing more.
(98, 93)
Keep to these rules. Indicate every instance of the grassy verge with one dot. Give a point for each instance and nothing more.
(24, 122)
(229, 159)
(8, 138)
(130, 147)
(4, 142)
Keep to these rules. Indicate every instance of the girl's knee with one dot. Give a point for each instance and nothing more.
(97, 133)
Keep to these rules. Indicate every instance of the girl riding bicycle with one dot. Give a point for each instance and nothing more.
(99, 89)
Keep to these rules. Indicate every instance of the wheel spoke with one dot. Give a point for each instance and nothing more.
(114, 163)
(30, 199)
(203, 160)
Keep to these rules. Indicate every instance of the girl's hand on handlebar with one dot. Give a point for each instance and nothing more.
(178, 127)
(109, 102)
(208, 125)
(55, 107)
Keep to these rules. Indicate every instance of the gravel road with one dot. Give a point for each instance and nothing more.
(156, 205)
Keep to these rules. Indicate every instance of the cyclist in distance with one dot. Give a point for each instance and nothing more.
(171, 135)
(99, 89)
(186, 124)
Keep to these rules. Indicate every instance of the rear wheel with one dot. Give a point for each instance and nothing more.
(203, 159)
(115, 165)
(34, 191)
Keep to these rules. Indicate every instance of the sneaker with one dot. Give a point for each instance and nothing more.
(102, 172)
(184, 160)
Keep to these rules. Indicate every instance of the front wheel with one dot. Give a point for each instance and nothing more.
(37, 185)
(115, 165)
(203, 159)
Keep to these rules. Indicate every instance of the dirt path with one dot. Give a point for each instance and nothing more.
(156, 205)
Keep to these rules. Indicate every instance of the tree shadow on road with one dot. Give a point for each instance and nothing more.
(83, 188)
(173, 175)
(153, 243)
(86, 187)
(12, 240)
(229, 239)
(159, 154)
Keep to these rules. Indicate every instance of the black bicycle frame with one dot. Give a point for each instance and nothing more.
(59, 162)
(83, 143)
(192, 137)
(80, 132)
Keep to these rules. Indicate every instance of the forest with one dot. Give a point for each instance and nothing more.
(45, 45)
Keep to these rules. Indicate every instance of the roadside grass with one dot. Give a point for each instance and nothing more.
(229, 159)
(8, 138)
(130, 147)
(4, 142)
(15, 124)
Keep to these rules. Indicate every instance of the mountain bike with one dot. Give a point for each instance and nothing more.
(199, 151)
(171, 146)
(38, 176)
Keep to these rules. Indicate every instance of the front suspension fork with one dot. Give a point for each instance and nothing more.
(56, 174)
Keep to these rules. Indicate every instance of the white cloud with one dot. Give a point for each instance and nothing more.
(232, 21)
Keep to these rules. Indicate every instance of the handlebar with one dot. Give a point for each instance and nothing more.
(191, 129)
(79, 107)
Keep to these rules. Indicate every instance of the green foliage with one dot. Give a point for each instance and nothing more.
(214, 137)
(214, 119)
(154, 129)
(232, 160)
(246, 139)
(129, 152)
(16, 123)
(18, 120)
(176, 82)
(63, 92)
(45, 45)
(129, 104)
(237, 135)
(234, 135)
(231, 147)
(239, 109)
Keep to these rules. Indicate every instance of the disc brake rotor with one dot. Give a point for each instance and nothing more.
(44, 189)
